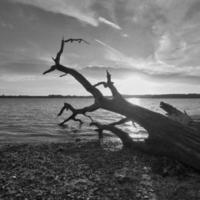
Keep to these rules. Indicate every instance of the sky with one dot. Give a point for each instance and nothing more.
(149, 46)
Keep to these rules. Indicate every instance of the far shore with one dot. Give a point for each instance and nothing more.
(151, 96)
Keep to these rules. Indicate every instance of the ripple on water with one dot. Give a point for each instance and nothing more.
(26, 119)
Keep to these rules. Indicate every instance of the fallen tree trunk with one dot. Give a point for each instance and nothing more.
(167, 136)
(176, 114)
(181, 117)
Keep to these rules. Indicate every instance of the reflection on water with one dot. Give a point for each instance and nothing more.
(136, 101)
(36, 119)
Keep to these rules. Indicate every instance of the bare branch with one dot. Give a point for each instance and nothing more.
(125, 138)
(88, 116)
(109, 84)
(76, 112)
(113, 89)
(68, 119)
(53, 59)
(57, 59)
(66, 70)
(108, 75)
(108, 126)
(101, 83)
(66, 106)
(79, 40)
(145, 146)
(49, 70)
(72, 117)
(79, 120)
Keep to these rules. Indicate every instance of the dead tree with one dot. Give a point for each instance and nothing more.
(176, 114)
(167, 136)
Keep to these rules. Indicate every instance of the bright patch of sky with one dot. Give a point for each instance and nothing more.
(150, 46)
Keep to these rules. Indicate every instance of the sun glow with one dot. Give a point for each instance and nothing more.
(136, 85)
(136, 101)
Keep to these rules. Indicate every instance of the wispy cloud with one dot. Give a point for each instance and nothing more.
(74, 8)
(109, 23)
(79, 9)
(193, 10)
(155, 38)
(152, 66)
(125, 35)
(125, 61)
(6, 25)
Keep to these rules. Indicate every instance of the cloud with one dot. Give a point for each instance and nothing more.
(155, 67)
(6, 25)
(28, 67)
(161, 20)
(74, 8)
(125, 35)
(181, 48)
(99, 72)
(95, 72)
(120, 59)
(23, 61)
(157, 38)
(176, 37)
(169, 48)
(79, 9)
(193, 10)
(109, 23)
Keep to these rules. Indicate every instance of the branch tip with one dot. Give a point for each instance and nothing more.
(50, 70)
(62, 75)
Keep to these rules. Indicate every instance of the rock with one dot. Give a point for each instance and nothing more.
(146, 177)
(79, 183)
(122, 176)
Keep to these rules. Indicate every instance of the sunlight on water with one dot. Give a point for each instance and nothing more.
(36, 119)
(135, 101)
(134, 130)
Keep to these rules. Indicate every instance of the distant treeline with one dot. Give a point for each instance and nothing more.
(173, 96)
(166, 96)
(48, 96)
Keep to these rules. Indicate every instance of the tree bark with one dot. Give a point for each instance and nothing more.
(168, 136)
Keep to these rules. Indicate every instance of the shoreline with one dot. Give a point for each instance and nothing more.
(84, 170)
(145, 96)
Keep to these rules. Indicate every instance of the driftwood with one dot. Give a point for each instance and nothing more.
(179, 116)
(176, 114)
(168, 136)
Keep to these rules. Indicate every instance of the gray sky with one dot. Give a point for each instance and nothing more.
(149, 46)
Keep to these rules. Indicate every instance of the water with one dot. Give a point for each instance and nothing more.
(35, 120)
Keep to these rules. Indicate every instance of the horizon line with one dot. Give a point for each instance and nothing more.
(169, 95)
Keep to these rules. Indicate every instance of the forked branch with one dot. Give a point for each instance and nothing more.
(109, 84)
(75, 112)
(66, 70)
(79, 40)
